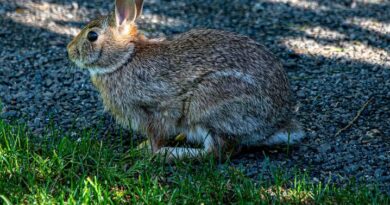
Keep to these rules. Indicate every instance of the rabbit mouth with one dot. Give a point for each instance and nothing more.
(79, 63)
(77, 59)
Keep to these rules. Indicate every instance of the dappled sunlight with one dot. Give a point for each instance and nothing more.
(336, 42)
(342, 49)
(370, 24)
(371, 1)
(303, 4)
(50, 16)
(286, 195)
(321, 32)
(156, 19)
(150, 24)
(37, 15)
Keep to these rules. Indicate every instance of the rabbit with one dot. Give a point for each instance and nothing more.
(218, 88)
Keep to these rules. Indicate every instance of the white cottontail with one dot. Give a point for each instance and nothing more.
(216, 87)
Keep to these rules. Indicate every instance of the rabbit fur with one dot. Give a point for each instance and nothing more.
(218, 88)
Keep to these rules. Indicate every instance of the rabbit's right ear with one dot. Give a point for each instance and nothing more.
(125, 13)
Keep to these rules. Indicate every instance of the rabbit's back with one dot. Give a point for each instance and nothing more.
(212, 56)
(230, 82)
(213, 53)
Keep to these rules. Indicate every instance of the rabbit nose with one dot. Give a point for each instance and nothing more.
(71, 45)
(68, 47)
(69, 52)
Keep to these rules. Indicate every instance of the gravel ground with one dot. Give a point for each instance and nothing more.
(336, 54)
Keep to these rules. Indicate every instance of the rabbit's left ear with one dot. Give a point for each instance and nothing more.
(139, 5)
(125, 12)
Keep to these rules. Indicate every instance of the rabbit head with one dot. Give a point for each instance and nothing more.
(103, 45)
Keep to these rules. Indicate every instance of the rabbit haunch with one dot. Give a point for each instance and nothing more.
(219, 88)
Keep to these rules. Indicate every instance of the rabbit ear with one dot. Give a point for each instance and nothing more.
(139, 4)
(125, 12)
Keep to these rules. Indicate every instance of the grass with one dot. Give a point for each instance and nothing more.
(64, 170)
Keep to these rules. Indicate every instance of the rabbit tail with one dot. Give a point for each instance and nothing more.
(291, 133)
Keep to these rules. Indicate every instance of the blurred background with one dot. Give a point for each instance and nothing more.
(336, 53)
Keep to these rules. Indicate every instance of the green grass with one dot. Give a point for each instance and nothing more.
(62, 170)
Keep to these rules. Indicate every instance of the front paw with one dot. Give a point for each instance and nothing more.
(178, 153)
(165, 153)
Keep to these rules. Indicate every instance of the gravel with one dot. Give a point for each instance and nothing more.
(335, 52)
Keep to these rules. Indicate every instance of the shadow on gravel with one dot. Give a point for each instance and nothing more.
(36, 82)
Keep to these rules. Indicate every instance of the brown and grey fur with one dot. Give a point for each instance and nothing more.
(217, 87)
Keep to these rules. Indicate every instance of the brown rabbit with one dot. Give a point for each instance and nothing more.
(218, 88)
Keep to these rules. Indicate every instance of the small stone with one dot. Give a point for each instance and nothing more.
(379, 172)
(37, 121)
(48, 82)
(351, 169)
(82, 92)
(383, 157)
(373, 133)
(324, 148)
(317, 159)
(301, 94)
(9, 114)
(303, 148)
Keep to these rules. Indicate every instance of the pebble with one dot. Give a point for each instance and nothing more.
(9, 114)
(379, 173)
(300, 94)
(324, 148)
(37, 121)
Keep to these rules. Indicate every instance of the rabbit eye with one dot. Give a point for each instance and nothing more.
(92, 36)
